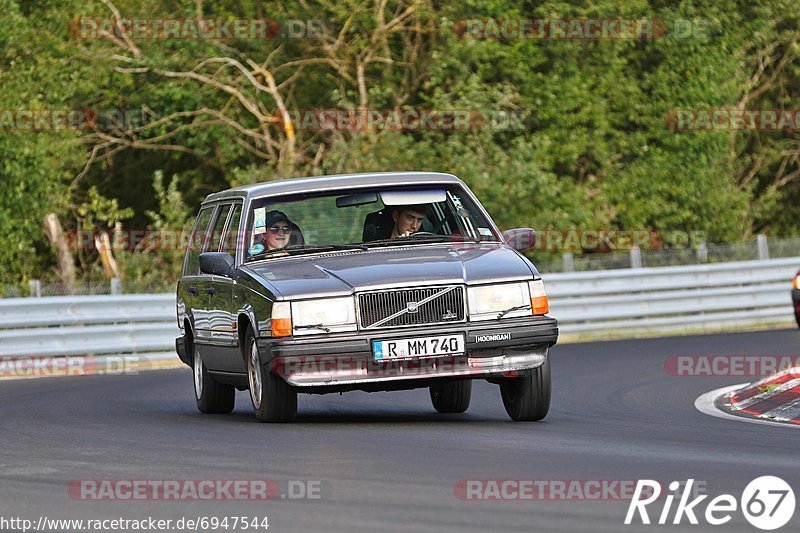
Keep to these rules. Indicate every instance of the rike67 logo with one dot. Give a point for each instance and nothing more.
(767, 502)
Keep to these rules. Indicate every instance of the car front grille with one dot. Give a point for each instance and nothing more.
(411, 307)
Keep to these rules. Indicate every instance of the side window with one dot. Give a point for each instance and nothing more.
(219, 226)
(229, 244)
(191, 264)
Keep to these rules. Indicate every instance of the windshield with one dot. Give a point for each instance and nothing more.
(362, 218)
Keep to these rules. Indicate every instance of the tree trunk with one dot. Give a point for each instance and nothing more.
(66, 263)
(103, 244)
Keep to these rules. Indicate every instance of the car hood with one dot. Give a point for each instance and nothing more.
(343, 273)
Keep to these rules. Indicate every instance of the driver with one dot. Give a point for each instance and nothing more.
(408, 219)
(279, 229)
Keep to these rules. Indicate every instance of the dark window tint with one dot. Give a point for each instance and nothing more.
(191, 265)
(219, 226)
(232, 233)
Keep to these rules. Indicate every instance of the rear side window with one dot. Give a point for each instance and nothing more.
(219, 227)
(191, 263)
(232, 233)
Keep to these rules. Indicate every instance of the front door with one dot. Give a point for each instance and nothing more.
(225, 306)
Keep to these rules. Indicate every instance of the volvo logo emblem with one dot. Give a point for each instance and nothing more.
(412, 307)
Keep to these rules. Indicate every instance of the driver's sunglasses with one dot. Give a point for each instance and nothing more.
(281, 229)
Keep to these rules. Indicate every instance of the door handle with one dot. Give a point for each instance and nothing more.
(211, 290)
(192, 289)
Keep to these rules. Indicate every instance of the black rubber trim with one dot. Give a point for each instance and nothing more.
(540, 332)
(796, 296)
(230, 378)
(180, 348)
(534, 331)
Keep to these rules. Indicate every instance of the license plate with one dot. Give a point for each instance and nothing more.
(418, 347)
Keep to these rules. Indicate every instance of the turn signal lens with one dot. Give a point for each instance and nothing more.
(539, 303)
(281, 319)
(797, 281)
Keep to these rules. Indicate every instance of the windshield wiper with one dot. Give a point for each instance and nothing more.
(411, 239)
(299, 249)
(517, 308)
(314, 326)
(308, 248)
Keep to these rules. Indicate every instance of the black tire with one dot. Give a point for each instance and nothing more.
(452, 396)
(212, 397)
(527, 397)
(273, 399)
(797, 318)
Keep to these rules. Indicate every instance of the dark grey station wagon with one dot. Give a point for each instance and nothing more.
(373, 282)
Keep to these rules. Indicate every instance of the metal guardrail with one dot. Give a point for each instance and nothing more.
(84, 325)
(632, 300)
(664, 299)
(80, 310)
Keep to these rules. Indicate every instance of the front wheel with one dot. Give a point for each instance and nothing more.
(527, 397)
(273, 399)
(797, 318)
(211, 396)
(451, 397)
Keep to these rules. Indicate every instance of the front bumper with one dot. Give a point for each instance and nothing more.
(492, 350)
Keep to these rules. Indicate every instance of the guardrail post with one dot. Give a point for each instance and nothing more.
(702, 253)
(636, 257)
(763, 251)
(35, 286)
(116, 286)
(568, 262)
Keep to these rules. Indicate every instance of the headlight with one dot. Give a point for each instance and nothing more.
(488, 301)
(797, 281)
(330, 313)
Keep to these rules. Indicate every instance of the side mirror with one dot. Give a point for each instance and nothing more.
(216, 263)
(520, 239)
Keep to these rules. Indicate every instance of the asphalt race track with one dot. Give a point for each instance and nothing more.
(387, 461)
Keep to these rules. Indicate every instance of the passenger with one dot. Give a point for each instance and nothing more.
(279, 230)
(407, 219)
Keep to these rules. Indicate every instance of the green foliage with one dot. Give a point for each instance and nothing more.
(590, 146)
(101, 212)
(173, 213)
(31, 171)
(155, 263)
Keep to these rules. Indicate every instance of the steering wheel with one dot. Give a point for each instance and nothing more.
(424, 234)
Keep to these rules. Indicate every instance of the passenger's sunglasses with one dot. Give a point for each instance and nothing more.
(281, 229)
